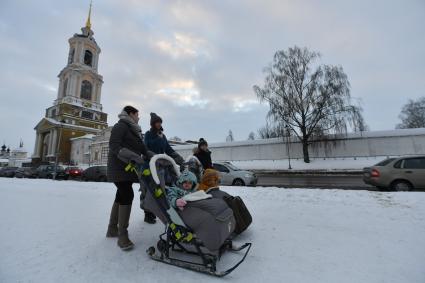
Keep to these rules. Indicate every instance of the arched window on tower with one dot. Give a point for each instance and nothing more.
(86, 90)
(65, 86)
(88, 58)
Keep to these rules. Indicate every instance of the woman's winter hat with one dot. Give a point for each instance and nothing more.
(187, 176)
(155, 119)
(202, 142)
(210, 179)
(130, 109)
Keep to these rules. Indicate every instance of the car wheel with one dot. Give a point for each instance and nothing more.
(102, 179)
(401, 186)
(238, 182)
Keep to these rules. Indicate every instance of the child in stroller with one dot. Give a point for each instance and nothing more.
(201, 229)
(185, 185)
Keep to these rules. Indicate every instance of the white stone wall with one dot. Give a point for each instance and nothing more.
(100, 147)
(379, 143)
(80, 147)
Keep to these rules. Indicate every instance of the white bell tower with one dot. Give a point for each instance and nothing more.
(77, 110)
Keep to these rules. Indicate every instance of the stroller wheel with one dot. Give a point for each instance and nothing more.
(162, 246)
(151, 251)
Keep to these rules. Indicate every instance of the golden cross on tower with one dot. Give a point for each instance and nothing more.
(88, 23)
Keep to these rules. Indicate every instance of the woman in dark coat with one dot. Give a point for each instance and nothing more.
(157, 142)
(204, 154)
(125, 146)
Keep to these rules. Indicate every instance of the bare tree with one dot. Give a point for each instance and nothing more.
(413, 114)
(270, 131)
(230, 138)
(251, 136)
(307, 98)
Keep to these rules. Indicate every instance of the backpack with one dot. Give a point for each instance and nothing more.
(241, 213)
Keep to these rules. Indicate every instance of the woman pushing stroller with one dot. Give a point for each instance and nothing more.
(125, 146)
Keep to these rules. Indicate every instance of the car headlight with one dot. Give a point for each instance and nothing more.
(247, 175)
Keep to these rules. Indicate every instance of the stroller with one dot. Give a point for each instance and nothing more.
(201, 231)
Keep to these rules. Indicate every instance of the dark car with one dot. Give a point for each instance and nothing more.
(26, 172)
(95, 173)
(8, 172)
(48, 172)
(74, 172)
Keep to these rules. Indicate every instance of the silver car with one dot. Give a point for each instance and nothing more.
(233, 176)
(398, 174)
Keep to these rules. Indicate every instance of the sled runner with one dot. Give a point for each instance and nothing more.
(201, 232)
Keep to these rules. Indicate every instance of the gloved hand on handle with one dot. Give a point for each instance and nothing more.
(132, 159)
(128, 156)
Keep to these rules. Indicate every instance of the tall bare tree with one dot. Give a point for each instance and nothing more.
(310, 99)
(413, 114)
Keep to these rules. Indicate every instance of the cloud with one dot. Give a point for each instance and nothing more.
(183, 45)
(182, 93)
(243, 105)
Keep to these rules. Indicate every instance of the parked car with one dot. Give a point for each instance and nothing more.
(95, 173)
(74, 172)
(48, 171)
(233, 176)
(26, 172)
(398, 174)
(8, 172)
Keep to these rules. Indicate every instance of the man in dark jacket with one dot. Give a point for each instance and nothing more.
(125, 146)
(204, 154)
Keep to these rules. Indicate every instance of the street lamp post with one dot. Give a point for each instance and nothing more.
(287, 147)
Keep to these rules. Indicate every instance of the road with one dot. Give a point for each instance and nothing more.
(313, 181)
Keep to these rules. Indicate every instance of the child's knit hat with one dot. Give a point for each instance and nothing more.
(187, 176)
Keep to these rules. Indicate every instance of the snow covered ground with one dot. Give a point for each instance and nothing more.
(54, 231)
(318, 164)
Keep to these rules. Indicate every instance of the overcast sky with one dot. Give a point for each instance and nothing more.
(195, 62)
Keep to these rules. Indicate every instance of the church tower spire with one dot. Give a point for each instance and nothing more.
(88, 22)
